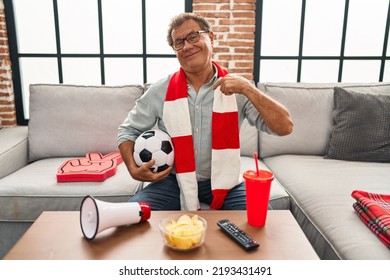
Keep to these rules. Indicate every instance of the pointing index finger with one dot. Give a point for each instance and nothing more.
(217, 83)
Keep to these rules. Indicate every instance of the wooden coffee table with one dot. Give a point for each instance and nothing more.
(57, 235)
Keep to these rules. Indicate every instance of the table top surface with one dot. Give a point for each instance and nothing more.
(58, 235)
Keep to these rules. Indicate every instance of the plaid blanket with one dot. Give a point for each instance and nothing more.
(374, 210)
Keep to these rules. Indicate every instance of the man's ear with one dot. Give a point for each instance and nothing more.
(211, 36)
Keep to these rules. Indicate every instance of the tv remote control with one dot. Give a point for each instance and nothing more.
(238, 235)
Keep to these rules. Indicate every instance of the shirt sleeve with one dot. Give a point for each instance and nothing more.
(252, 115)
(143, 116)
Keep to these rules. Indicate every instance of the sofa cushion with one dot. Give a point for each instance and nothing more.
(320, 192)
(310, 106)
(249, 139)
(361, 127)
(26, 193)
(70, 120)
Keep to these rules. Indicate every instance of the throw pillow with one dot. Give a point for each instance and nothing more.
(361, 127)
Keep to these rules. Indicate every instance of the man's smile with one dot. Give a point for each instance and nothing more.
(190, 53)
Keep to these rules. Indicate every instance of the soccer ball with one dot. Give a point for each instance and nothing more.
(157, 145)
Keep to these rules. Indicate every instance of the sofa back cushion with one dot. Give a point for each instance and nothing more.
(72, 120)
(249, 139)
(310, 106)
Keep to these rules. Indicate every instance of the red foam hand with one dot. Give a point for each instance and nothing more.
(93, 167)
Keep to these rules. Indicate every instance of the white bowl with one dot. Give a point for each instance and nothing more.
(180, 234)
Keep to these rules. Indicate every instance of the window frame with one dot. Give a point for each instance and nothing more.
(258, 58)
(15, 55)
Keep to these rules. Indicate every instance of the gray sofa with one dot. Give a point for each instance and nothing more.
(318, 184)
(68, 121)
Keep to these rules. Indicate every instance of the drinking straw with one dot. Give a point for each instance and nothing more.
(257, 164)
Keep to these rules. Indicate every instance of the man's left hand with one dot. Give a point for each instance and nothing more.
(232, 84)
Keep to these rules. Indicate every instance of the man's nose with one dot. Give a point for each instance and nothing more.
(186, 43)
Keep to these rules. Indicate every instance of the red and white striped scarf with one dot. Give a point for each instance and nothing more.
(225, 158)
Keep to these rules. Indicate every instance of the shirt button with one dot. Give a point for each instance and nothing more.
(197, 129)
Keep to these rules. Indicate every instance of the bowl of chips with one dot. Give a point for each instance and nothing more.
(183, 231)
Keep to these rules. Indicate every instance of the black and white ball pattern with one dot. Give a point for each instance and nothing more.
(157, 145)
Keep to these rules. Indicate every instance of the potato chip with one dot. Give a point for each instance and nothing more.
(184, 219)
(185, 233)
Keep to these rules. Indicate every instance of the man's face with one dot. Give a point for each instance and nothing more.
(193, 57)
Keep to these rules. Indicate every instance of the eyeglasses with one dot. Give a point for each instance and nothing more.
(191, 38)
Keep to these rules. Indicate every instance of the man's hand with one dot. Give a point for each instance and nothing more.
(141, 173)
(144, 173)
(275, 115)
(233, 84)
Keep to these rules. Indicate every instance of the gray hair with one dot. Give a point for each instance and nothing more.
(183, 17)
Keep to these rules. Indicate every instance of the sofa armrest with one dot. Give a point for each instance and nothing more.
(13, 149)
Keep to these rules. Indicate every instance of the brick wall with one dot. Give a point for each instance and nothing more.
(7, 105)
(233, 22)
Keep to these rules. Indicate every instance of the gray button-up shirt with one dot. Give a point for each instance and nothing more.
(148, 111)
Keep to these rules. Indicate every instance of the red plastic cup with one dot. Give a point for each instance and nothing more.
(258, 187)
